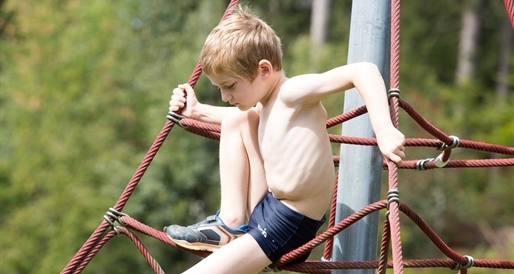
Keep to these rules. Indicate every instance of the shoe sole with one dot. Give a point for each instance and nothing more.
(195, 246)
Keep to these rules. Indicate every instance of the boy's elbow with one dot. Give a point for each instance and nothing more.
(366, 71)
(368, 67)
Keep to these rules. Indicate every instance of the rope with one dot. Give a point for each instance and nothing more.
(327, 252)
(384, 247)
(393, 205)
(391, 229)
(94, 238)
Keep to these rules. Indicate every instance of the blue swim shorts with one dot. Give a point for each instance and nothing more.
(278, 229)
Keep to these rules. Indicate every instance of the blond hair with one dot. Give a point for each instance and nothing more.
(238, 43)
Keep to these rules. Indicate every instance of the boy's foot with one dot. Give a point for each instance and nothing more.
(208, 235)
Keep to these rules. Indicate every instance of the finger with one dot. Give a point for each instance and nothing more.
(396, 156)
(187, 88)
(179, 92)
(396, 159)
(399, 163)
(178, 98)
(175, 105)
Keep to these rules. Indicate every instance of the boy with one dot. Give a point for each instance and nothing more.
(276, 162)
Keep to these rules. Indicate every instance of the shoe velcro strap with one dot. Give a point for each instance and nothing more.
(211, 218)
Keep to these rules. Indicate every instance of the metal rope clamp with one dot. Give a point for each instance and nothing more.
(393, 195)
(455, 143)
(114, 215)
(439, 162)
(176, 118)
(394, 92)
(469, 263)
(323, 259)
(421, 164)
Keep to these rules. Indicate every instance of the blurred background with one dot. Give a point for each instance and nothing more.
(85, 87)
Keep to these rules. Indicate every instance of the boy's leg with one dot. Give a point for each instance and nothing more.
(243, 182)
(241, 256)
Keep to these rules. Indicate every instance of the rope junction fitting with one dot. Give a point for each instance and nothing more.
(393, 92)
(393, 195)
(469, 263)
(455, 143)
(391, 233)
(439, 162)
(176, 118)
(114, 215)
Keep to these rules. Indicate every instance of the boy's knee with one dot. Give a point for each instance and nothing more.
(240, 118)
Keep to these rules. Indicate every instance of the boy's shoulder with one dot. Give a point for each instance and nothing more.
(297, 83)
(294, 82)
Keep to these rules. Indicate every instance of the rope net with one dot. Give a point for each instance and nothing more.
(391, 227)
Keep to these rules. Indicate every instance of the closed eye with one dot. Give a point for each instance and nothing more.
(225, 87)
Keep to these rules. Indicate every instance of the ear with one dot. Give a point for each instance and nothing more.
(265, 68)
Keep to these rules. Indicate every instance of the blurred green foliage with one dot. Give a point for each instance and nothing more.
(84, 90)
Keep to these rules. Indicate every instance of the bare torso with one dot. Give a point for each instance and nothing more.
(297, 156)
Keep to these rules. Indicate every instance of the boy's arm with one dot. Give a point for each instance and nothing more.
(194, 109)
(311, 88)
(212, 114)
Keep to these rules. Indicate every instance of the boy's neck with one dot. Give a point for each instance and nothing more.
(276, 81)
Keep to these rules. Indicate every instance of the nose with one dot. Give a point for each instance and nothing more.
(225, 97)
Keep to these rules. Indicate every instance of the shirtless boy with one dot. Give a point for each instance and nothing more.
(276, 162)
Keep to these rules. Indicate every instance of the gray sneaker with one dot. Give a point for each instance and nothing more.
(208, 235)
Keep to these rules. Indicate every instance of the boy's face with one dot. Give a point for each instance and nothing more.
(237, 91)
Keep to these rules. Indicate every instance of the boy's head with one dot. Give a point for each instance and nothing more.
(238, 43)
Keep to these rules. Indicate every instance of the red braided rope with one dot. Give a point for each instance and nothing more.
(432, 235)
(394, 81)
(326, 267)
(95, 250)
(391, 225)
(394, 213)
(384, 247)
(327, 252)
(476, 163)
(94, 238)
(142, 248)
(329, 233)
(394, 221)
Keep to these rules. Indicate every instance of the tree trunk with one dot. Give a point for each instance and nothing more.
(502, 85)
(319, 28)
(468, 43)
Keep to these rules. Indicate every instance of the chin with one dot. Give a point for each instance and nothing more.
(243, 108)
